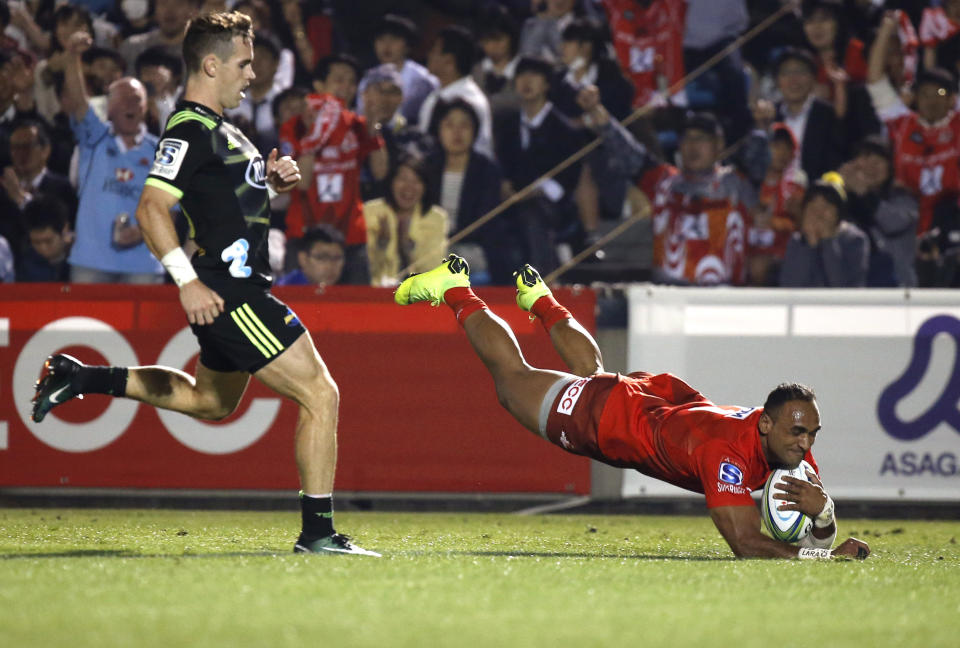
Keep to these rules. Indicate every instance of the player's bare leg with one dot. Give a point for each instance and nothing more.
(210, 395)
(520, 387)
(575, 345)
(301, 375)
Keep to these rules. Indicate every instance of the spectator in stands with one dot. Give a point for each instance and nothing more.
(337, 75)
(841, 68)
(382, 91)
(160, 74)
(541, 33)
(584, 53)
(701, 210)
(404, 230)
(330, 144)
(16, 98)
(101, 67)
(926, 142)
(777, 212)
(828, 251)
(261, 17)
(648, 40)
(29, 177)
(254, 115)
(497, 34)
(450, 59)
(529, 142)
(171, 18)
(938, 255)
(712, 25)
(393, 38)
(114, 158)
(812, 120)
(48, 73)
(50, 237)
(320, 259)
(886, 212)
(940, 35)
(467, 182)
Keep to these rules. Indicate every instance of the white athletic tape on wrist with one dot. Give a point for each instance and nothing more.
(271, 192)
(810, 553)
(178, 265)
(825, 517)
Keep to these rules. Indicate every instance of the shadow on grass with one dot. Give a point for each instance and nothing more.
(559, 554)
(126, 553)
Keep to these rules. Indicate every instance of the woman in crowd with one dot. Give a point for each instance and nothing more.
(404, 228)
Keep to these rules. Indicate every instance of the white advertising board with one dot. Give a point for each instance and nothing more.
(885, 365)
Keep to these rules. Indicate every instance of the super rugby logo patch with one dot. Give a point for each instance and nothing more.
(169, 157)
(730, 474)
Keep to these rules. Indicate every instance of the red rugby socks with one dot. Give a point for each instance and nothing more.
(549, 311)
(463, 302)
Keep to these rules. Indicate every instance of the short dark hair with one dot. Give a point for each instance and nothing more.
(783, 394)
(795, 54)
(213, 34)
(96, 53)
(45, 211)
(321, 233)
(4, 14)
(534, 65)
(416, 163)
(324, 65)
(292, 91)
(266, 41)
(941, 77)
(43, 134)
(396, 25)
(874, 145)
(703, 121)
(158, 56)
(830, 192)
(458, 41)
(496, 20)
(444, 108)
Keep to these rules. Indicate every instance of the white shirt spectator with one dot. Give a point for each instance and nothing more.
(467, 89)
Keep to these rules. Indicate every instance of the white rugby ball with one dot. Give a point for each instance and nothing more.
(789, 526)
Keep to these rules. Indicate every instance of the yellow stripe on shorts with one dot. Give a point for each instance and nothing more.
(235, 314)
(256, 320)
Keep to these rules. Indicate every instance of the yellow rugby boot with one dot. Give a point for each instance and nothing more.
(530, 287)
(429, 286)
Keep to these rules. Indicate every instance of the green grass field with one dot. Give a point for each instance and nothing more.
(172, 578)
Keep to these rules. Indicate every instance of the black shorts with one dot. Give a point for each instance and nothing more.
(254, 328)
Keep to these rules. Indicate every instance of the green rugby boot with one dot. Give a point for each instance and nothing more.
(330, 545)
(54, 386)
(530, 287)
(429, 286)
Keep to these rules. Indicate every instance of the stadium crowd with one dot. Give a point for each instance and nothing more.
(823, 151)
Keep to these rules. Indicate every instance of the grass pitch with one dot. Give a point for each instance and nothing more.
(170, 578)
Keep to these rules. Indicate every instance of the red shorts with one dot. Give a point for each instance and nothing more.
(575, 414)
(637, 404)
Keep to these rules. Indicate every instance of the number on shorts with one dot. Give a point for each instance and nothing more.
(329, 187)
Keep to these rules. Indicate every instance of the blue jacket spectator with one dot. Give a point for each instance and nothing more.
(113, 163)
(393, 39)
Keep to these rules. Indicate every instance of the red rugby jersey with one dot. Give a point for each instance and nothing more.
(666, 429)
(340, 141)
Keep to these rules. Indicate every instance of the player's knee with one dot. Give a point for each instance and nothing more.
(323, 393)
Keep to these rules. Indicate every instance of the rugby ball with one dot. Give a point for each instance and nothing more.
(788, 526)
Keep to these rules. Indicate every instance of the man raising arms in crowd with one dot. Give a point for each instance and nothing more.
(222, 184)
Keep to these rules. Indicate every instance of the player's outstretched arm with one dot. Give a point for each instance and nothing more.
(201, 304)
(740, 527)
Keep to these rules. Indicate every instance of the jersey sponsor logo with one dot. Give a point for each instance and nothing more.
(170, 155)
(730, 488)
(123, 175)
(257, 173)
(330, 153)
(730, 474)
(349, 142)
(571, 395)
(286, 148)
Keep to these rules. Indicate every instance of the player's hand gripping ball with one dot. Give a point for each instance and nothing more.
(788, 526)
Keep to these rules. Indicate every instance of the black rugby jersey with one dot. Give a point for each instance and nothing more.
(220, 179)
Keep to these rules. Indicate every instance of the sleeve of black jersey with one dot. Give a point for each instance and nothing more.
(181, 151)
